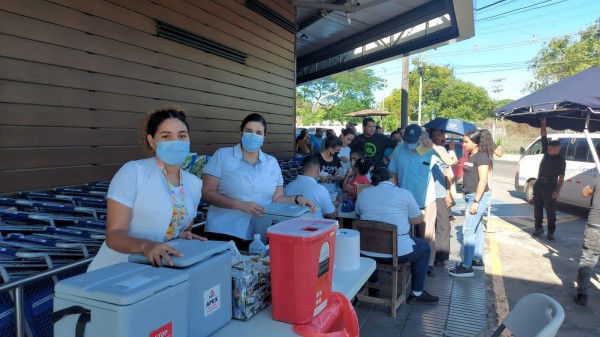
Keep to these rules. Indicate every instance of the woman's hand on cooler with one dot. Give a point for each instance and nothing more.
(156, 251)
(188, 235)
(252, 208)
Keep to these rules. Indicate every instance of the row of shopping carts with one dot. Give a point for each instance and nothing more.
(290, 169)
(41, 231)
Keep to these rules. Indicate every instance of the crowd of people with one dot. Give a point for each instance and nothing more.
(404, 179)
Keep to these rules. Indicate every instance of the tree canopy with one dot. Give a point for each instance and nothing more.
(332, 97)
(565, 56)
(443, 95)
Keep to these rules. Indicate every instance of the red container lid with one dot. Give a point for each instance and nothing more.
(303, 227)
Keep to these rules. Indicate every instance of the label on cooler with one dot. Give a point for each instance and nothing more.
(212, 300)
(323, 280)
(164, 331)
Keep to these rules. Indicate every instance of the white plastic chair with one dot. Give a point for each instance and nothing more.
(535, 315)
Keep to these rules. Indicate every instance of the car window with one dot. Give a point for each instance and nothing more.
(535, 148)
(596, 143)
(581, 150)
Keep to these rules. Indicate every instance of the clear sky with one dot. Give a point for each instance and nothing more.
(508, 34)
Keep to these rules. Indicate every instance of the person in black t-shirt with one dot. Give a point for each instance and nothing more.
(548, 184)
(477, 198)
(375, 143)
(330, 164)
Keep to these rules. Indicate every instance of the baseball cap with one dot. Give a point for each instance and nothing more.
(412, 133)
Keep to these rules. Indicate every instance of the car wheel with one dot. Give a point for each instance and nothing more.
(529, 191)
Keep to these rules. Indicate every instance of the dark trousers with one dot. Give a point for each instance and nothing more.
(589, 257)
(419, 261)
(542, 198)
(442, 231)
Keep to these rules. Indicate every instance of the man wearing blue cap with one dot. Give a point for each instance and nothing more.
(411, 164)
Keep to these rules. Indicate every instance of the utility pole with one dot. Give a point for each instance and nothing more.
(421, 71)
(404, 97)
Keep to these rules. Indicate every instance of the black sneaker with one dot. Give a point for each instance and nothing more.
(580, 299)
(430, 271)
(452, 218)
(537, 232)
(477, 264)
(425, 297)
(461, 271)
(550, 236)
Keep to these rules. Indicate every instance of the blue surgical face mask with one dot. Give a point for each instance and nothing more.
(411, 146)
(251, 141)
(172, 152)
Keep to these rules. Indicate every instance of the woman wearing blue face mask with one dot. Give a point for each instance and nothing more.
(239, 182)
(152, 201)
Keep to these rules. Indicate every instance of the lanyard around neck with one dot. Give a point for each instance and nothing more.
(178, 210)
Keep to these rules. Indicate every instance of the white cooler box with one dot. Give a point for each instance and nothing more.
(275, 213)
(122, 300)
(207, 265)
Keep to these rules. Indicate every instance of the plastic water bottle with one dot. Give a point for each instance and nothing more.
(257, 247)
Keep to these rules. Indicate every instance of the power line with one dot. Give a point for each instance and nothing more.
(490, 5)
(520, 10)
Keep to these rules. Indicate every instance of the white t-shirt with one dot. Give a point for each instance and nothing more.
(242, 181)
(313, 191)
(141, 186)
(391, 204)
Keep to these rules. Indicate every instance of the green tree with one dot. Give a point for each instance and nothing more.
(332, 97)
(443, 95)
(565, 56)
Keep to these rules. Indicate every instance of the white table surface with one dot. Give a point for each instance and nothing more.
(345, 282)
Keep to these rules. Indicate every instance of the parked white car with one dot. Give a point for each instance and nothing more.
(580, 170)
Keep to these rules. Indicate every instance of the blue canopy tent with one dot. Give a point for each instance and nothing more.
(567, 104)
(572, 103)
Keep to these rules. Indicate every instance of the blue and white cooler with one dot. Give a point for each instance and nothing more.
(275, 213)
(207, 265)
(122, 300)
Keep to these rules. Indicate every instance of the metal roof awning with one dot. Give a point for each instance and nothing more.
(334, 36)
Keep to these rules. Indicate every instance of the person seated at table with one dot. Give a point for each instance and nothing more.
(303, 143)
(359, 177)
(386, 202)
(239, 181)
(306, 185)
(152, 201)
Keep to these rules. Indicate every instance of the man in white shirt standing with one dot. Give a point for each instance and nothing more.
(306, 185)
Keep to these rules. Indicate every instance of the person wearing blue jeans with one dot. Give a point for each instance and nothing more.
(386, 202)
(477, 198)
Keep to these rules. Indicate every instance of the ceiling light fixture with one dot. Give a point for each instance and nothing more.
(303, 36)
(348, 19)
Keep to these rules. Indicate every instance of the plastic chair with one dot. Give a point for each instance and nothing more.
(535, 315)
(381, 237)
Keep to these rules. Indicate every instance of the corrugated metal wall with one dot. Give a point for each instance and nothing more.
(77, 76)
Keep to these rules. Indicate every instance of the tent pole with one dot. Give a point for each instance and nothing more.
(586, 132)
(488, 226)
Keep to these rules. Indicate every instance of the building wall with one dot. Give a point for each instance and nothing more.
(77, 77)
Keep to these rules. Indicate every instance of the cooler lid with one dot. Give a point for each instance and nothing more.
(193, 251)
(303, 227)
(120, 284)
(286, 209)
